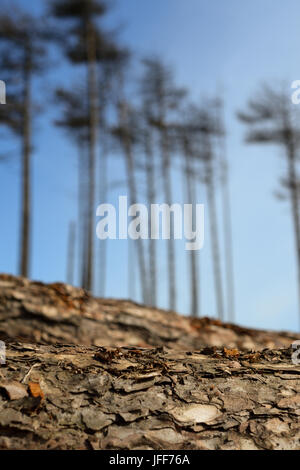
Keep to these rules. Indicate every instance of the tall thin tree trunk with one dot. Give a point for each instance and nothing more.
(103, 179)
(103, 196)
(131, 270)
(82, 213)
(226, 209)
(192, 255)
(167, 186)
(228, 248)
(26, 172)
(71, 254)
(133, 200)
(214, 236)
(93, 121)
(130, 170)
(295, 207)
(151, 195)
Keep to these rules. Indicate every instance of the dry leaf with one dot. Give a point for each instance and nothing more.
(231, 352)
(35, 390)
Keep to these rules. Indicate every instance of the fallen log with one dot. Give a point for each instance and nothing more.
(79, 397)
(138, 377)
(58, 313)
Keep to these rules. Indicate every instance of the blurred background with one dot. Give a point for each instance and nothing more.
(166, 102)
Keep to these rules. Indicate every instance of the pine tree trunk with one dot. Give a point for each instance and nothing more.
(93, 122)
(151, 196)
(214, 239)
(192, 255)
(133, 195)
(82, 214)
(227, 221)
(167, 187)
(295, 209)
(103, 197)
(71, 253)
(131, 270)
(26, 172)
(228, 244)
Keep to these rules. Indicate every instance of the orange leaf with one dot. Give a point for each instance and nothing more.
(231, 352)
(35, 390)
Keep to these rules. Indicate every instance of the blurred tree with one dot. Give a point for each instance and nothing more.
(185, 136)
(22, 58)
(204, 130)
(188, 140)
(146, 139)
(84, 42)
(126, 133)
(71, 253)
(75, 120)
(106, 100)
(163, 97)
(197, 131)
(226, 206)
(272, 119)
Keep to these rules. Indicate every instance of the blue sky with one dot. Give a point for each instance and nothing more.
(215, 47)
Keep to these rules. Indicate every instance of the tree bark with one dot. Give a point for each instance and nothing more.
(133, 395)
(76, 397)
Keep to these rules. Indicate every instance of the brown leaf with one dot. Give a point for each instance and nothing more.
(253, 357)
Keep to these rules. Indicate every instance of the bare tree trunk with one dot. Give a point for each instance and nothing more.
(93, 118)
(133, 200)
(103, 176)
(214, 236)
(228, 244)
(103, 196)
(82, 213)
(167, 186)
(227, 221)
(151, 195)
(295, 208)
(71, 254)
(192, 255)
(77, 397)
(133, 194)
(26, 172)
(131, 264)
